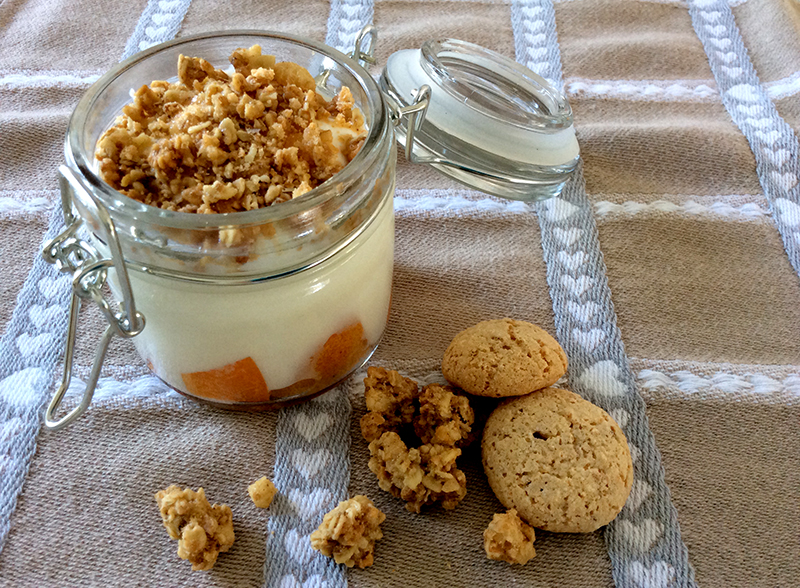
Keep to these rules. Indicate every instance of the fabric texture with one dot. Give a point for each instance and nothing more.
(667, 269)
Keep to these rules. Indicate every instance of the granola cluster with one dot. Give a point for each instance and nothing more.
(348, 533)
(399, 415)
(203, 531)
(421, 476)
(262, 492)
(215, 142)
(508, 538)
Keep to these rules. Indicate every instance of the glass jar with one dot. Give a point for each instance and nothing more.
(248, 309)
(261, 308)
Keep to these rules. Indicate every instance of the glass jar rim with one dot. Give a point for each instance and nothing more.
(119, 203)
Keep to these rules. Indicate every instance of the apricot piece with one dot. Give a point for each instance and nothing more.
(340, 353)
(236, 382)
(295, 389)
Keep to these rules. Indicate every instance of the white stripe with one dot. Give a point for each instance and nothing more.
(453, 201)
(682, 3)
(749, 384)
(749, 210)
(15, 202)
(645, 90)
(783, 88)
(27, 79)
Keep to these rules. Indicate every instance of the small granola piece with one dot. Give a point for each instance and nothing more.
(348, 533)
(390, 402)
(444, 418)
(203, 531)
(422, 476)
(261, 492)
(509, 538)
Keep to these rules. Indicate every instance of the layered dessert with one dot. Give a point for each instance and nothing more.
(215, 142)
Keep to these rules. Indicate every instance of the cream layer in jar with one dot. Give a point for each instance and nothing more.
(291, 336)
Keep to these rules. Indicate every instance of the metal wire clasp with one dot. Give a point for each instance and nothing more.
(71, 254)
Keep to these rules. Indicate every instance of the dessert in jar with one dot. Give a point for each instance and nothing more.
(261, 273)
(253, 208)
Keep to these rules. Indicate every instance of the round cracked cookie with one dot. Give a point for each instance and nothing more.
(502, 358)
(559, 460)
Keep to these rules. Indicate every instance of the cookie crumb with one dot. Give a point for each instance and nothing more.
(348, 533)
(508, 538)
(421, 476)
(203, 531)
(261, 492)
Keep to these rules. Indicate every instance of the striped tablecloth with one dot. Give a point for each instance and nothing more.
(667, 269)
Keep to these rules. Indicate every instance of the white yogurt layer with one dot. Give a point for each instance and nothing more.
(281, 324)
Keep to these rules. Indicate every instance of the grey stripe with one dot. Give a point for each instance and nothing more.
(773, 142)
(160, 21)
(312, 473)
(644, 542)
(34, 339)
(312, 463)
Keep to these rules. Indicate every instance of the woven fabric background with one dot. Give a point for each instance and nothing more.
(668, 270)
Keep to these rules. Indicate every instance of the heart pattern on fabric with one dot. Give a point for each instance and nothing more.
(298, 546)
(721, 43)
(567, 237)
(156, 32)
(309, 504)
(30, 346)
(589, 340)
(309, 463)
(603, 378)
(536, 39)
(50, 287)
(312, 427)
(710, 16)
(559, 210)
(786, 181)
(42, 316)
(641, 536)
(583, 312)
(749, 109)
(745, 93)
(571, 262)
(789, 212)
(776, 157)
(732, 72)
(640, 491)
(531, 11)
(704, 3)
(160, 18)
(577, 286)
(759, 123)
(315, 581)
(534, 25)
(351, 25)
(537, 52)
(659, 575)
(768, 136)
(715, 30)
(167, 5)
(726, 57)
(23, 388)
(351, 11)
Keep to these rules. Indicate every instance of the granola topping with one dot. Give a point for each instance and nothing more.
(214, 142)
(509, 538)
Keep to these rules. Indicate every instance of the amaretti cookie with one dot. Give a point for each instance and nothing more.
(502, 358)
(559, 460)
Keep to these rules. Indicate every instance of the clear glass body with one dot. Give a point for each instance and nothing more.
(286, 313)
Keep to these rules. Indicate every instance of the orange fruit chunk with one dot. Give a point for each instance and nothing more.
(340, 353)
(236, 382)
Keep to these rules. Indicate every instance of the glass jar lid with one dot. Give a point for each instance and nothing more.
(490, 123)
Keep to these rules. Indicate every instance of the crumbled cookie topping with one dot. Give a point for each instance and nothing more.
(444, 418)
(348, 533)
(390, 402)
(203, 531)
(509, 538)
(215, 142)
(261, 492)
(421, 476)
